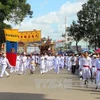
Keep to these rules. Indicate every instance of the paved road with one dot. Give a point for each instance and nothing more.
(50, 86)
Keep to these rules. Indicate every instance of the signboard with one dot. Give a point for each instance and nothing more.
(11, 35)
(11, 52)
(23, 36)
(30, 36)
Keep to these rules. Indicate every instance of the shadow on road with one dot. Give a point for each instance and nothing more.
(22, 96)
(98, 98)
(93, 92)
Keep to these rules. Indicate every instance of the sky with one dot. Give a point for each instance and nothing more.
(49, 16)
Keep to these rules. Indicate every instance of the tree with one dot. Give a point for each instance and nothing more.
(75, 32)
(2, 36)
(89, 20)
(14, 11)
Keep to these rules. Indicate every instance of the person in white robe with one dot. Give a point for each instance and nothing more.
(18, 62)
(86, 67)
(93, 69)
(80, 66)
(66, 61)
(28, 62)
(53, 61)
(73, 63)
(56, 64)
(4, 64)
(97, 73)
(49, 61)
(0, 60)
(62, 61)
(32, 64)
(23, 64)
(69, 62)
(42, 64)
(46, 63)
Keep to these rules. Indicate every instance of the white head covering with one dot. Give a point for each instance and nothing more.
(4, 55)
(94, 56)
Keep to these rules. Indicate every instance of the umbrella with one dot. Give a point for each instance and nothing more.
(70, 51)
(91, 51)
(85, 51)
(98, 50)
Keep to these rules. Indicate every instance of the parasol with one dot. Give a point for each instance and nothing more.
(97, 50)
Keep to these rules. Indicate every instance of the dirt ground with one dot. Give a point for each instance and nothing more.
(49, 86)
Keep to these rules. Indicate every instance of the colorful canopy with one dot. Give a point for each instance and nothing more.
(98, 50)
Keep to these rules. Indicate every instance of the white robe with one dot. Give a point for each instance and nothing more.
(69, 62)
(18, 63)
(62, 61)
(4, 63)
(42, 64)
(46, 63)
(97, 72)
(93, 67)
(85, 66)
(32, 63)
(56, 64)
(23, 64)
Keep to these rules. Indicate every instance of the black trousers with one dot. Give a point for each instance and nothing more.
(73, 69)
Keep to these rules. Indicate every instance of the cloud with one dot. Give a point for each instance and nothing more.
(52, 24)
(82, 0)
(45, 2)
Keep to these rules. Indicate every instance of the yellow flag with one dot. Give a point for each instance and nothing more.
(11, 35)
(23, 36)
(30, 36)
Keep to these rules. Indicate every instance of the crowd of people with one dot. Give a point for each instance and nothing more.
(88, 65)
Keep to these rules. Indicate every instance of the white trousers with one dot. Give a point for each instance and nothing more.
(97, 78)
(46, 66)
(93, 72)
(32, 67)
(69, 67)
(42, 68)
(4, 70)
(86, 73)
(56, 68)
(62, 64)
(17, 65)
(23, 68)
(12, 69)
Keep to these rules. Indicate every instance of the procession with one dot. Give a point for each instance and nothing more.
(88, 65)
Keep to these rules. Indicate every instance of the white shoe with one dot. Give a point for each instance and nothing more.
(80, 79)
(20, 74)
(8, 75)
(11, 71)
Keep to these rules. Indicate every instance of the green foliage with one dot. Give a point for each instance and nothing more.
(88, 23)
(75, 32)
(14, 11)
(89, 20)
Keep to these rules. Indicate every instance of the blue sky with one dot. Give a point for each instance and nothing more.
(41, 7)
(49, 16)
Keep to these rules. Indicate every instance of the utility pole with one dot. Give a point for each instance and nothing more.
(65, 32)
(66, 35)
